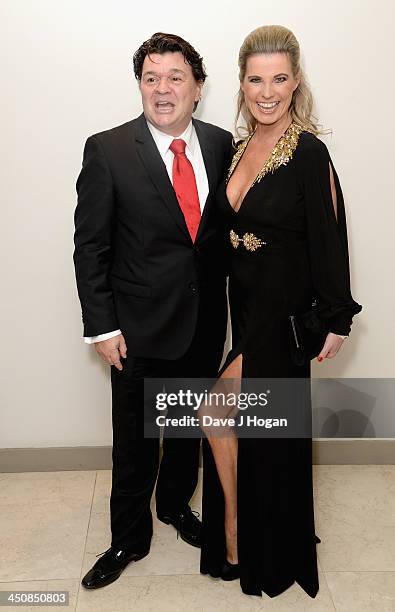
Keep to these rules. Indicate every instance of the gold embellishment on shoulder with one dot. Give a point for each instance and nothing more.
(280, 155)
(236, 157)
(282, 152)
(250, 241)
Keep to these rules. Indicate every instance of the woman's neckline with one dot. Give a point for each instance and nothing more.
(280, 155)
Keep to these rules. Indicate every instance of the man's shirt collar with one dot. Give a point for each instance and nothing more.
(163, 141)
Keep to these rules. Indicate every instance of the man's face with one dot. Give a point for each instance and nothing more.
(169, 91)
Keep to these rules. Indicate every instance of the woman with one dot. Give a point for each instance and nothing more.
(284, 212)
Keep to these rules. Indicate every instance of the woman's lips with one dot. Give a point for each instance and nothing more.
(267, 107)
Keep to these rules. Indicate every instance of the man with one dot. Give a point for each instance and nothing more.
(149, 261)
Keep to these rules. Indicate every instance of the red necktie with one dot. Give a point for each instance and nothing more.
(184, 184)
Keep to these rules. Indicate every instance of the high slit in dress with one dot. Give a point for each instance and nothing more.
(289, 207)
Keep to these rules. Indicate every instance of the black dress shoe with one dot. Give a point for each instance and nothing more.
(109, 567)
(187, 524)
(317, 539)
(230, 571)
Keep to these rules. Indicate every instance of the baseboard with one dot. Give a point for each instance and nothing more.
(326, 451)
(55, 459)
(354, 451)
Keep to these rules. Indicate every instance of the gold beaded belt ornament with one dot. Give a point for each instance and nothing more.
(250, 241)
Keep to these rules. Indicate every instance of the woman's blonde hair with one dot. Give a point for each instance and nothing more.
(276, 39)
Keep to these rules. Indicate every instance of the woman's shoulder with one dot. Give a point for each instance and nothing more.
(238, 142)
(311, 149)
(310, 143)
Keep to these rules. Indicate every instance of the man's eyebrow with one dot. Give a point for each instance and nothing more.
(172, 70)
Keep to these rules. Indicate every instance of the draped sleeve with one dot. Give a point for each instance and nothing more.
(326, 237)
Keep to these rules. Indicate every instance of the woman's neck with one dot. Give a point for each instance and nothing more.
(273, 132)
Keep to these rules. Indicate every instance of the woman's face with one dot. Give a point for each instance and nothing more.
(268, 86)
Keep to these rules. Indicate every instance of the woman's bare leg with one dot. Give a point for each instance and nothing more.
(224, 449)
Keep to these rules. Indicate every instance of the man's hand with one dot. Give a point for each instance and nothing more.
(111, 350)
(331, 347)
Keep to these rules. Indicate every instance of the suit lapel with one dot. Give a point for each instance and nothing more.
(153, 162)
(211, 169)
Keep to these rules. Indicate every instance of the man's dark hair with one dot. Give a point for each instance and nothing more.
(162, 43)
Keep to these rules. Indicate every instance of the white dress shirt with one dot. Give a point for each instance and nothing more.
(194, 154)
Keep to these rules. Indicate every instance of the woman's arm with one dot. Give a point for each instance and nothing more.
(327, 242)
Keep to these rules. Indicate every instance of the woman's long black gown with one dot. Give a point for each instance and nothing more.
(305, 255)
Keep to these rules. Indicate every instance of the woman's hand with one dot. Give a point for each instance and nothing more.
(331, 347)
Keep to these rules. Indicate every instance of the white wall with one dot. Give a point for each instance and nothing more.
(66, 73)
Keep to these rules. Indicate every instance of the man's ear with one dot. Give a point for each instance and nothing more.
(199, 90)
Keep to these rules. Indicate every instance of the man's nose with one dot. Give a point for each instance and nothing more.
(163, 85)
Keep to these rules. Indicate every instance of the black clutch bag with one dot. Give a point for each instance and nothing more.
(307, 335)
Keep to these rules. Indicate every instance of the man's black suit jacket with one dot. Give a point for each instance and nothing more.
(136, 266)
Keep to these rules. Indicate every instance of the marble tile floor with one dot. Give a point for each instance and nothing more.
(54, 524)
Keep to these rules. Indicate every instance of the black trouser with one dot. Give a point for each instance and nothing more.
(136, 459)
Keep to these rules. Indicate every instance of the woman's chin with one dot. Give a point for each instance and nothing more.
(270, 119)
